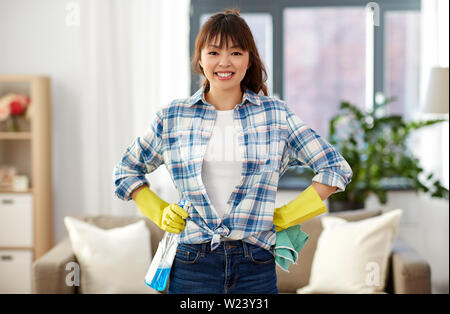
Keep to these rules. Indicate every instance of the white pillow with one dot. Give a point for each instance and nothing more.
(352, 257)
(111, 261)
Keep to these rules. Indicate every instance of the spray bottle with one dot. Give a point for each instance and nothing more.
(158, 273)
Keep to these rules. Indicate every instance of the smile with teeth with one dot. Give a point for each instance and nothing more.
(225, 75)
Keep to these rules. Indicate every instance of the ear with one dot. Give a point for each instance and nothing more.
(200, 63)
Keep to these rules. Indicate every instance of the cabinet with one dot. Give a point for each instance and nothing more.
(26, 217)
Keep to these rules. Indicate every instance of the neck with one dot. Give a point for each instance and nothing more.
(224, 99)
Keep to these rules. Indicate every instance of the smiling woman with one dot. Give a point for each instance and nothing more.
(227, 244)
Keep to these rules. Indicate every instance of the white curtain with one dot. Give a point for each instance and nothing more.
(136, 59)
(432, 142)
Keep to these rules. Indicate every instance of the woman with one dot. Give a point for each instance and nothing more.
(228, 233)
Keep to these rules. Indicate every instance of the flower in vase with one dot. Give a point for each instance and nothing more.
(16, 108)
(4, 111)
(5, 107)
(12, 106)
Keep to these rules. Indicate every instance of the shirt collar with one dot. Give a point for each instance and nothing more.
(248, 96)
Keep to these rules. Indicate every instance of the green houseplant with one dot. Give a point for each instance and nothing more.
(375, 146)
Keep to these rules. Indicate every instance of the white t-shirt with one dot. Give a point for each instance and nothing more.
(222, 163)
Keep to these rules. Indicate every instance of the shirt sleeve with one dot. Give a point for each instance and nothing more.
(307, 148)
(143, 156)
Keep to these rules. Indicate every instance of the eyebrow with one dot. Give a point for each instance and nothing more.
(214, 46)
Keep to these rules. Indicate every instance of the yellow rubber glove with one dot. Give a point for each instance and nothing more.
(306, 206)
(169, 217)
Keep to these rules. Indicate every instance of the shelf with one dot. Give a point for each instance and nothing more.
(29, 191)
(30, 152)
(15, 135)
(18, 78)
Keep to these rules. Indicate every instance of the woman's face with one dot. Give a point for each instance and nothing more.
(224, 68)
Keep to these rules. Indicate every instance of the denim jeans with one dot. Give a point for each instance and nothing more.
(234, 267)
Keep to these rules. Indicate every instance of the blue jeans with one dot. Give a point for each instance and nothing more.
(234, 267)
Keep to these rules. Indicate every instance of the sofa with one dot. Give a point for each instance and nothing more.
(408, 273)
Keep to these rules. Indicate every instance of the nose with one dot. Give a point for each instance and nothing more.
(224, 60)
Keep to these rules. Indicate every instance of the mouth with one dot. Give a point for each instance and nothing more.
(224, 75)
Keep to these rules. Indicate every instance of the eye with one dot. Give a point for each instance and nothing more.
(238, 53)
(211, 52)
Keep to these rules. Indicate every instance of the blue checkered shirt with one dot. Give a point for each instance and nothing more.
(272, 139)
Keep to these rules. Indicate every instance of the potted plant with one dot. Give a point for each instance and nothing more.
(375, 146)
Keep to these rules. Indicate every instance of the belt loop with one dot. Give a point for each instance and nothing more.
(272, 250)
(244, 245)
(203, 249)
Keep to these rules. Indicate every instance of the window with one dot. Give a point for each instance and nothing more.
(401, 74)
(324, 62)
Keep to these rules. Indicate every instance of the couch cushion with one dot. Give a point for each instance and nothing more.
(114, 260)
(299, 273)
(109, 221)
(352, 257)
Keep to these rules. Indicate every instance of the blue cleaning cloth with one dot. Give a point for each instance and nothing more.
(289, 243)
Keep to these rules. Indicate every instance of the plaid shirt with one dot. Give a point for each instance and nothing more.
(271, 137)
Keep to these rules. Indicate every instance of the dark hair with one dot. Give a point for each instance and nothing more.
(230, 25)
